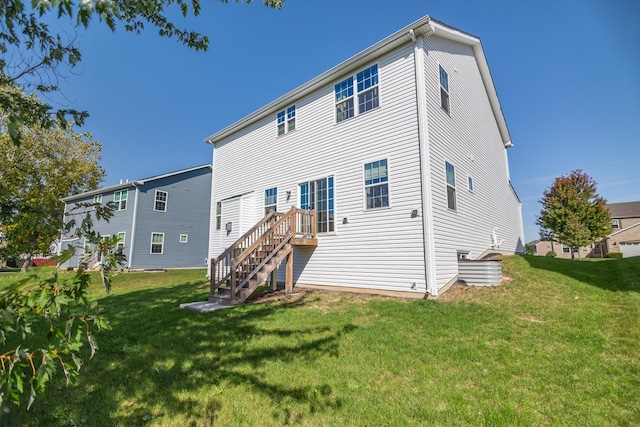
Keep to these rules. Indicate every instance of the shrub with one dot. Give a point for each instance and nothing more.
(529, 249)
(551, 254)
(614, 255)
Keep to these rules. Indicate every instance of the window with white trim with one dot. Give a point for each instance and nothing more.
(270, 200)
(615, 223)
(97, 199)
(161, 201)
(451, 186)
(376, 186)
(218, 215)
(318, 195)
(184, 238)
(470, 183)
(157, 243)
(444, 89)
(366, 91)
(121, 239)
(286, 120)
(120, 199)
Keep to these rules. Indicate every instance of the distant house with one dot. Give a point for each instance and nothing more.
(161, 222)
(625, 221)
(542, 247)
(396, 158)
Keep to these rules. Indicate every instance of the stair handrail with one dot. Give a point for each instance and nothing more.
(215, 262)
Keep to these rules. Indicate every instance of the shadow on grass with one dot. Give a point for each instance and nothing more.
(610, 274)
(158, 354)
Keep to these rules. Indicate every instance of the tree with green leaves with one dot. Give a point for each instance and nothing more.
(46, 322)
(573, 213)
(48, 165)
(34, 56)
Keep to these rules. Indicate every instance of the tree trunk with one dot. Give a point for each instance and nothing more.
(29, 255)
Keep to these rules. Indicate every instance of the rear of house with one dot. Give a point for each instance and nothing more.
(161, 222)
(401, 152)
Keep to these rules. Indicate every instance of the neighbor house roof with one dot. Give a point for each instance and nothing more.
(425, 26)
(624, 210)
(128, 184)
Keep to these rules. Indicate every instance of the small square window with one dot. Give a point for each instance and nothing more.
(366, 89)
(615, 223)
(184, 238)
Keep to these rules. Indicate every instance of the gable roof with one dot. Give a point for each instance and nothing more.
(624, 210)
(128, 184)
(425, 26)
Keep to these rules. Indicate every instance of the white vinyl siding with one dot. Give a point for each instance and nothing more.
(470, 140)
(381, 251)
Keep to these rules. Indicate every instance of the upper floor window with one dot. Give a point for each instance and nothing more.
(218, 215)
(451, 186)
(286, 120)
(161, 201)
(120, 199)
(366, 91)
(97, 199)
(470, 183)
(184, 238)
(376, 184)
(270, 200)
(615, 223)
(444, 89)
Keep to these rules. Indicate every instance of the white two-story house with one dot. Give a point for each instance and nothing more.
(401, 151)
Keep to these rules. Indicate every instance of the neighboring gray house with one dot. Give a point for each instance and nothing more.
(162, 221)
(397, 157)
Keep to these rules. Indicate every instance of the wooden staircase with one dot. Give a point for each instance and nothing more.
(255, 256)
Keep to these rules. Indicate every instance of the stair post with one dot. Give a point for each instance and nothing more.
(288, 284)
(234, 266)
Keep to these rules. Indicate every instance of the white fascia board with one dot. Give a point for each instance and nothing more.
(422, 27)
(131, 183)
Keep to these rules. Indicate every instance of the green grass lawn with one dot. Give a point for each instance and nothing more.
(557, 344)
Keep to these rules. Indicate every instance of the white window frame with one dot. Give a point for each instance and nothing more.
(184, 238)
(161, 244)
(451, 186)
(121, 242)
(286, 120)
(352, 84)
(156, 201)
(218, 215)
(271, 206)
(470, 183)
(97, 199)
(444, 92)
(120, 200)
(384, 183)
(615, 224)
(330, 179)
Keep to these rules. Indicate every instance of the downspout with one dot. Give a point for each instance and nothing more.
(425, 179)
(133, 224)
(212, 216)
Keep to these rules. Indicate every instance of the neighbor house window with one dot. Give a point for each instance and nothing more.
(615, 223)
(566, 249)
(157, 243)
(184, 238)
(444, 89)
(161, 201)
(270, 200)
(97, 199)
(451, 186)
(218, 215)
(120, 245)
(470, 183)
(318, 195)
(376, 184)
(366, 91)
(120, 199)
(286, 120)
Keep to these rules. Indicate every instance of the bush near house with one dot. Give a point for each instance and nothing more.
(550, 346)
(617, 255)
(551, 254)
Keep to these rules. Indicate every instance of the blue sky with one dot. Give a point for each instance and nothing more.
(567, 74)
